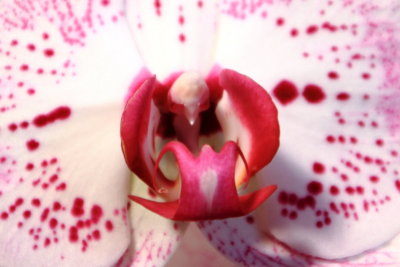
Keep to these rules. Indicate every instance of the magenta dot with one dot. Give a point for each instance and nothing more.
(182, 38)
(44, 215)
(12, 127)
(293, 215)
(96, 234)
(32, 145)
(73, 234)
(366, 76)
(4, 215)
(56, 206)
(280, 21)
(315, 187)
(29, 166)
(312, 29)
(24, 67)
(53, 223)
(27, 214)
(330, 139)
(250, 219)
(294, 32)
(96, 213)
(35, 202)
(48, 52)
(374, 179)
(109, 225)
(77, 207)
(349, 190)
(333, 75)
(313, 94)
(342, 96)
(318, 168)
(334, 190)
(397, 184)
(19, 201)
(285, 92)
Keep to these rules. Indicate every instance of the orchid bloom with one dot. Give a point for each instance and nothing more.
(78, 78)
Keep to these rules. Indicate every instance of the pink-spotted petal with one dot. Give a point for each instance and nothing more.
(63, 180)
(154, 238)
(181, 33)
(241, 240)
(332, 70)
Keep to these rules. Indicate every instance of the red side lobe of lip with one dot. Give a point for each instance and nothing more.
(257, 112)
(208, 188)
(135, 127)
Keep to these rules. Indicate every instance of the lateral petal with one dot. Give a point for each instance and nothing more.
(332, 72)
(62, 175)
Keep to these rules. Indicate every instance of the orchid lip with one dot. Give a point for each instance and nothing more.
(196, 141)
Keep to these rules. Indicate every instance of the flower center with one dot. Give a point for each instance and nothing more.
(170, 134)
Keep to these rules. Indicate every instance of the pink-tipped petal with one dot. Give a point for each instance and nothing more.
(333, 71)
(207, 186)
(62, 174)
(181, 33)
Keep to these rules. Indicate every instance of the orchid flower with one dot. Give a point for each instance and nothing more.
(78, 78)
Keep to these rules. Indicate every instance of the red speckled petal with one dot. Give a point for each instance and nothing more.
(63, 180)
(181, 33)
(242, 241)
(207, 186)
(154, 238)
(332, 70)
(249, 117)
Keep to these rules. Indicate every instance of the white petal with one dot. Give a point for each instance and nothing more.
(328, 140)
(59, 133)
(174, 36)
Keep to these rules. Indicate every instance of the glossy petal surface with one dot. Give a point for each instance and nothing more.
(331, 68)
(62, 174)
(174, 36)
